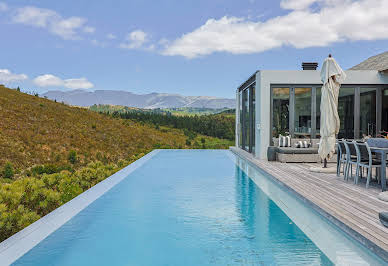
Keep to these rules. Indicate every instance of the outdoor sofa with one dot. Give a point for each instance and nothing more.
(298, 155)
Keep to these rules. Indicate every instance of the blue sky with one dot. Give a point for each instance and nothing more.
(203, 47)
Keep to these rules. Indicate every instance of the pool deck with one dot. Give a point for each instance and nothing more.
(351, 207)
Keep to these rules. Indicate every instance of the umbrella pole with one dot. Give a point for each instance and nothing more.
(325, 163)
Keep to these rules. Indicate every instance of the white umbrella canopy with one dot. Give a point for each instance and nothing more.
(332, 77)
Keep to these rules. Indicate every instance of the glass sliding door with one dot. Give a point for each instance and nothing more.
(252, 116)
(240, 140)
(318, 111)
(246, 124)
(384, 111)
(367, 112)
(280, 111)
(302, 112)
(346, 113)
(247, 119)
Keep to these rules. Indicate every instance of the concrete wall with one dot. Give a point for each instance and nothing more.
(265, 78)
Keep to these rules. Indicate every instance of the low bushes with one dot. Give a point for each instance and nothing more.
(25, 200)
(8, 171)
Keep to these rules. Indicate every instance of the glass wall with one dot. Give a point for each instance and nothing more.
(247, 104)
(346, 113)
(241, 120)
(302, 112)
(280, 107)
(367, 112)
(295, 112)
(384, 113)
(246, 125)
(253, 118)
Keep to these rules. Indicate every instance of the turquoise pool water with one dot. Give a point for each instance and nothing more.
(182, 207)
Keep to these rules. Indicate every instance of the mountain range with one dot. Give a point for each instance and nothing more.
(148, 101)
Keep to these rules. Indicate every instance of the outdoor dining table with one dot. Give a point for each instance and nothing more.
(383, 152)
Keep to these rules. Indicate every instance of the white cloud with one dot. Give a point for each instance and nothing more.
(296, 4)
(7, 76)
(135, 40)
(334, 21)
(3, 7)
(89, 29)
(81, 83)
(111, 36)
(49, 80)
(67, 28)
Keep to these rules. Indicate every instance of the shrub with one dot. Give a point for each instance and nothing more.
(8, 171)
(188, 142)
(72, 157)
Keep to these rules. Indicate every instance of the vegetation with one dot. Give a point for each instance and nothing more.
(8, 171)
(219, 125)
(51, 152)
(25, 200)
(185, 111)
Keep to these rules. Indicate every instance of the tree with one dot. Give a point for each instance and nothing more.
(72, 157)
(188, 142)
(8, 171)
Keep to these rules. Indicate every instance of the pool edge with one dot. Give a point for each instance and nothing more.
(365, 242)
(20, 243)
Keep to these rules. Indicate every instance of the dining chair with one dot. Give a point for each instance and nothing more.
(351, 158)
(341, 153)
(366, 160)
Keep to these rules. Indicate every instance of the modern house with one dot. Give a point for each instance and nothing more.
(273, 102)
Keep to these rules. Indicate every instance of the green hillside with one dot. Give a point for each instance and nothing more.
(220, 124)
(51, 152)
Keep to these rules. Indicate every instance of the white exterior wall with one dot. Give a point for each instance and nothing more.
(265, 78)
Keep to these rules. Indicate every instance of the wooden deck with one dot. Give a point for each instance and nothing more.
(352, 207)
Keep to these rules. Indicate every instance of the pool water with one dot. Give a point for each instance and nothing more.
(182, 207)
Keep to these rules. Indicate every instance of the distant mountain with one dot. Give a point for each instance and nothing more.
(149, 101)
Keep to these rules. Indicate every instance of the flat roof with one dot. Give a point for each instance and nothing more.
(353, 77)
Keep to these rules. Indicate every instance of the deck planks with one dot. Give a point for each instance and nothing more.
(353, 206)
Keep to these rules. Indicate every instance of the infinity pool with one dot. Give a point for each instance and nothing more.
(193, 207)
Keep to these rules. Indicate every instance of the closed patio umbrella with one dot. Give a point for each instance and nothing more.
(332, 77)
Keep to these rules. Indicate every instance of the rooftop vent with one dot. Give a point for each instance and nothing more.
(309, 66)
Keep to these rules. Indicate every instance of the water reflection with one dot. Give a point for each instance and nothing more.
(270, 231)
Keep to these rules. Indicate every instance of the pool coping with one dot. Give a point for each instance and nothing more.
(362, 240)
(20, 243)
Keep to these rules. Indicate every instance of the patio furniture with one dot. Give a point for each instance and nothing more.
(351, 158)
(365, 159)
(271, 153)
(380, 147)
(383, 216)
(341, 157)
(298, 155)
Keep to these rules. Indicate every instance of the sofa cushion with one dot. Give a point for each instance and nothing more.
(292, 150)
(314, 142)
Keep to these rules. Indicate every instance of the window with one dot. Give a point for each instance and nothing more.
(302, 112)
(367, 112)
(241, 120)
(384, 113)
(318, 110)
(346, 112)
(246, 130)
(253, 120)
(280, 105)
